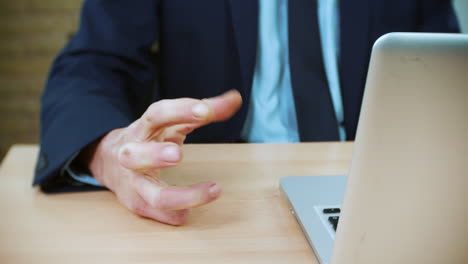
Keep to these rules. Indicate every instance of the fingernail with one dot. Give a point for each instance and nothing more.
(214, 190)
(170, 154)
(200, 110)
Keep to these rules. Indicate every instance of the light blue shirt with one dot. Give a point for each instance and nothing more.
(272, 113)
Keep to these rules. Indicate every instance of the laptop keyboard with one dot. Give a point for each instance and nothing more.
(333, 218)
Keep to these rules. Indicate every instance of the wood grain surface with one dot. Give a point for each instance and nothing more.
(250, 223)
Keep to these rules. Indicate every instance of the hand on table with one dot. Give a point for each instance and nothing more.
(128, 160)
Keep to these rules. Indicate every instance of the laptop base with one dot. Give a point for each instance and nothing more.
(307, 197)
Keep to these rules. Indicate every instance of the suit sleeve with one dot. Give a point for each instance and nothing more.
(100, 81)
(438, 16)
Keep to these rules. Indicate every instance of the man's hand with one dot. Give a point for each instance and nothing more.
(128, 160)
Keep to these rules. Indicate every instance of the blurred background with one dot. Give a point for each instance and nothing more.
(31, 34)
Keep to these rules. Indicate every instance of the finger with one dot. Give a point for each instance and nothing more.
(224, 106)
(176, 198)
(186, 111)
(177, 133)
(176, 217)
(148, 156)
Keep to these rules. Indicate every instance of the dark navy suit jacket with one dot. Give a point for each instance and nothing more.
(128, 54)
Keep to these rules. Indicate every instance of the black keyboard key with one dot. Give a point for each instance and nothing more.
(331, 210)
(334, 221)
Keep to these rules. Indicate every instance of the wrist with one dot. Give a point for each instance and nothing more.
(87, 156)
(99, 153)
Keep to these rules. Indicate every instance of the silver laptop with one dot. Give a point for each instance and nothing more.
(406, 197)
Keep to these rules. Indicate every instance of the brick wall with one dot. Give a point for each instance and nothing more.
(31, 34)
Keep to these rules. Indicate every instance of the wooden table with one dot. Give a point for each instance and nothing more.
(250, 223)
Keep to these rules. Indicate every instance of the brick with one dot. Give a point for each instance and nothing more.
(30, 6)
(34, 23)
(13, 105)
(21, 87)
(19, 128)
(27, 45)
(24, 68)
(53, 5)
(9, 7)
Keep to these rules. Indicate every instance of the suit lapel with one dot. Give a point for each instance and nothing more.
(354, 57)
(244, 14)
